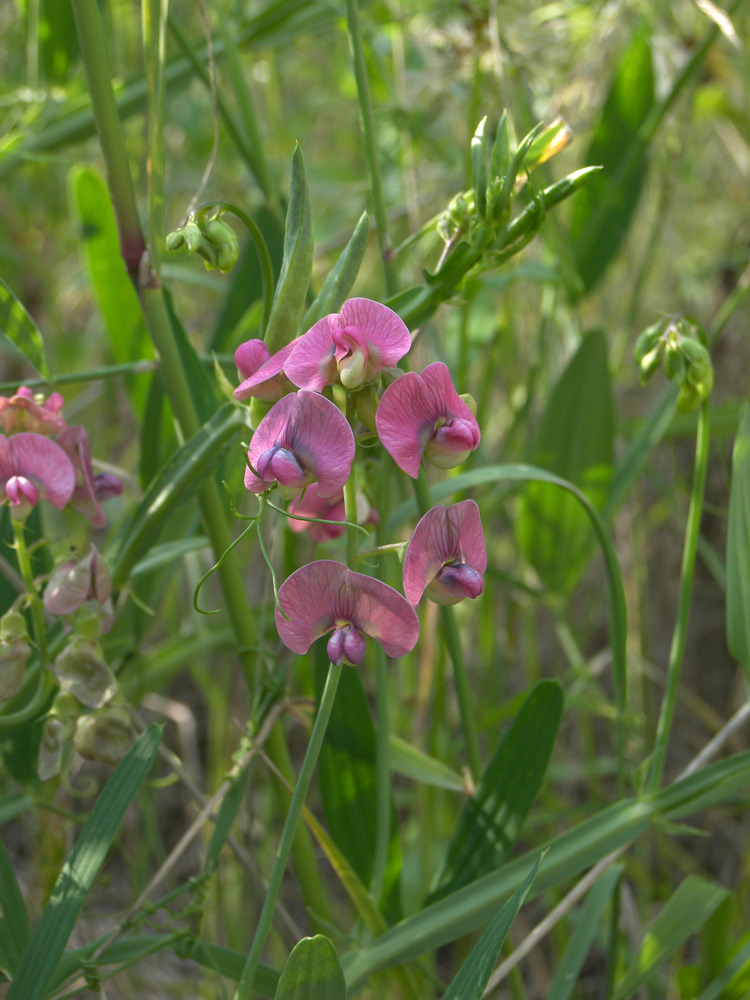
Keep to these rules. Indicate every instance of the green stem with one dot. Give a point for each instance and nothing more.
(266, 267)
(350, 493)
(99, 76)
(452, 636)
(37, 610)
(382, 775)
(244, 986)
(371, 149)
(679, 635)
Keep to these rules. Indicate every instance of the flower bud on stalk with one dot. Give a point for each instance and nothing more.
(682, 346)
(56, 733)
(15, 650)
(106, 735)
(82, 670)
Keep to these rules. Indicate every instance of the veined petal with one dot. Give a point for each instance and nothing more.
(325, 595)
(75, 443)
(24, 412)
(383, 328)
(320, 436)
(312, 364)
(467, 523)
(444, 535)
(437, 378)
(40, 460)
(267, 381)
(405, 421)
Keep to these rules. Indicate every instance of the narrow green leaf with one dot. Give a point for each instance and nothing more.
(475, 972)
(602, 212)
(553, 531)
(169, 552)
(202, 388)
(500, 158)
(177, 481)
(739, 965)
(493, 817)
(13, 804)
(347, 778)
(341, 279)
(115, 295)
(225, 820)
(20, 330)
(312, 972)
(15, 932)
(588, 925)
(684, 913)
(296, 267)
(58, 40)
(479, 166)
(59, 916)
(411, 762)
(738, 547)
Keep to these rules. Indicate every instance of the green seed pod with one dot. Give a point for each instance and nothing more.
(106, 735)
(82, 670)
(647, 350)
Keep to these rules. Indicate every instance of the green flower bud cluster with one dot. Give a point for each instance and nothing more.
(15, 650)
(212, 239)
(681, 346)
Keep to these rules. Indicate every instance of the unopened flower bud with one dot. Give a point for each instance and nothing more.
(76, 581)
(105, 735)
(82, 670)
(15, 650)
(56, 733)
(223, 239)
(175, 240)
(453, 219)
(646, 352)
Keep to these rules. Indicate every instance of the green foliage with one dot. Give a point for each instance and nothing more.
(738, 547)
(602, 213)
(20, 330)
(312, 972)
(552, 529)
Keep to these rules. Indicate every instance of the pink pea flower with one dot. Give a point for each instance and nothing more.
(350, 347)
(310, 504)
(26, 412)
(89, 489)
(303, 438)
(325, 596)
(446, 556)
(33, 467)
(423, 415)
(263, 375)
(78, 580)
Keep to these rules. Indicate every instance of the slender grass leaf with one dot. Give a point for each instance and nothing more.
(296, 266)
(603, 210)
(738, 547)
(411, 762)
(58, 40)
(575, 441)
(312, 972)
(475, 972)
(59, 916)
(13, 804)
(500, 157)
(178, 480)
(493, 817)
(588, 925)
(347, 777)
(225, 820)
(115, 294)
(14, 929)
(20, 330)
(341, 278)
(196, 375)
(169, 552)
(722, 986)
(684, 913)
(567, 855)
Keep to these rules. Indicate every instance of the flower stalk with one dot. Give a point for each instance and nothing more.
(35, 603)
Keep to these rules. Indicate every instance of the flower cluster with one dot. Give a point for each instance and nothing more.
(305, 446)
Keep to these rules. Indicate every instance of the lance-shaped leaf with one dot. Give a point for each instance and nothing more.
(575, 441)
(474, 974)
(56, 923)
(738, 547)
(684, 913)
(480, 166)
(312, 972)
(20, 330)
(14, 924)
(493, 817)
(340, 280)
(602, 213)
(296, 266)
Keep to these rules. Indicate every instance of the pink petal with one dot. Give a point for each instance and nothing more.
(444, 534)
(68, 586)
(75, 443)
(21, 412)
(311, 504)
(383, 328)
(312, 364)
(250, 356)
(405, 421)
(325, 594)
(438, 380)
(40, 460)
(315, 431)
(267, 381)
